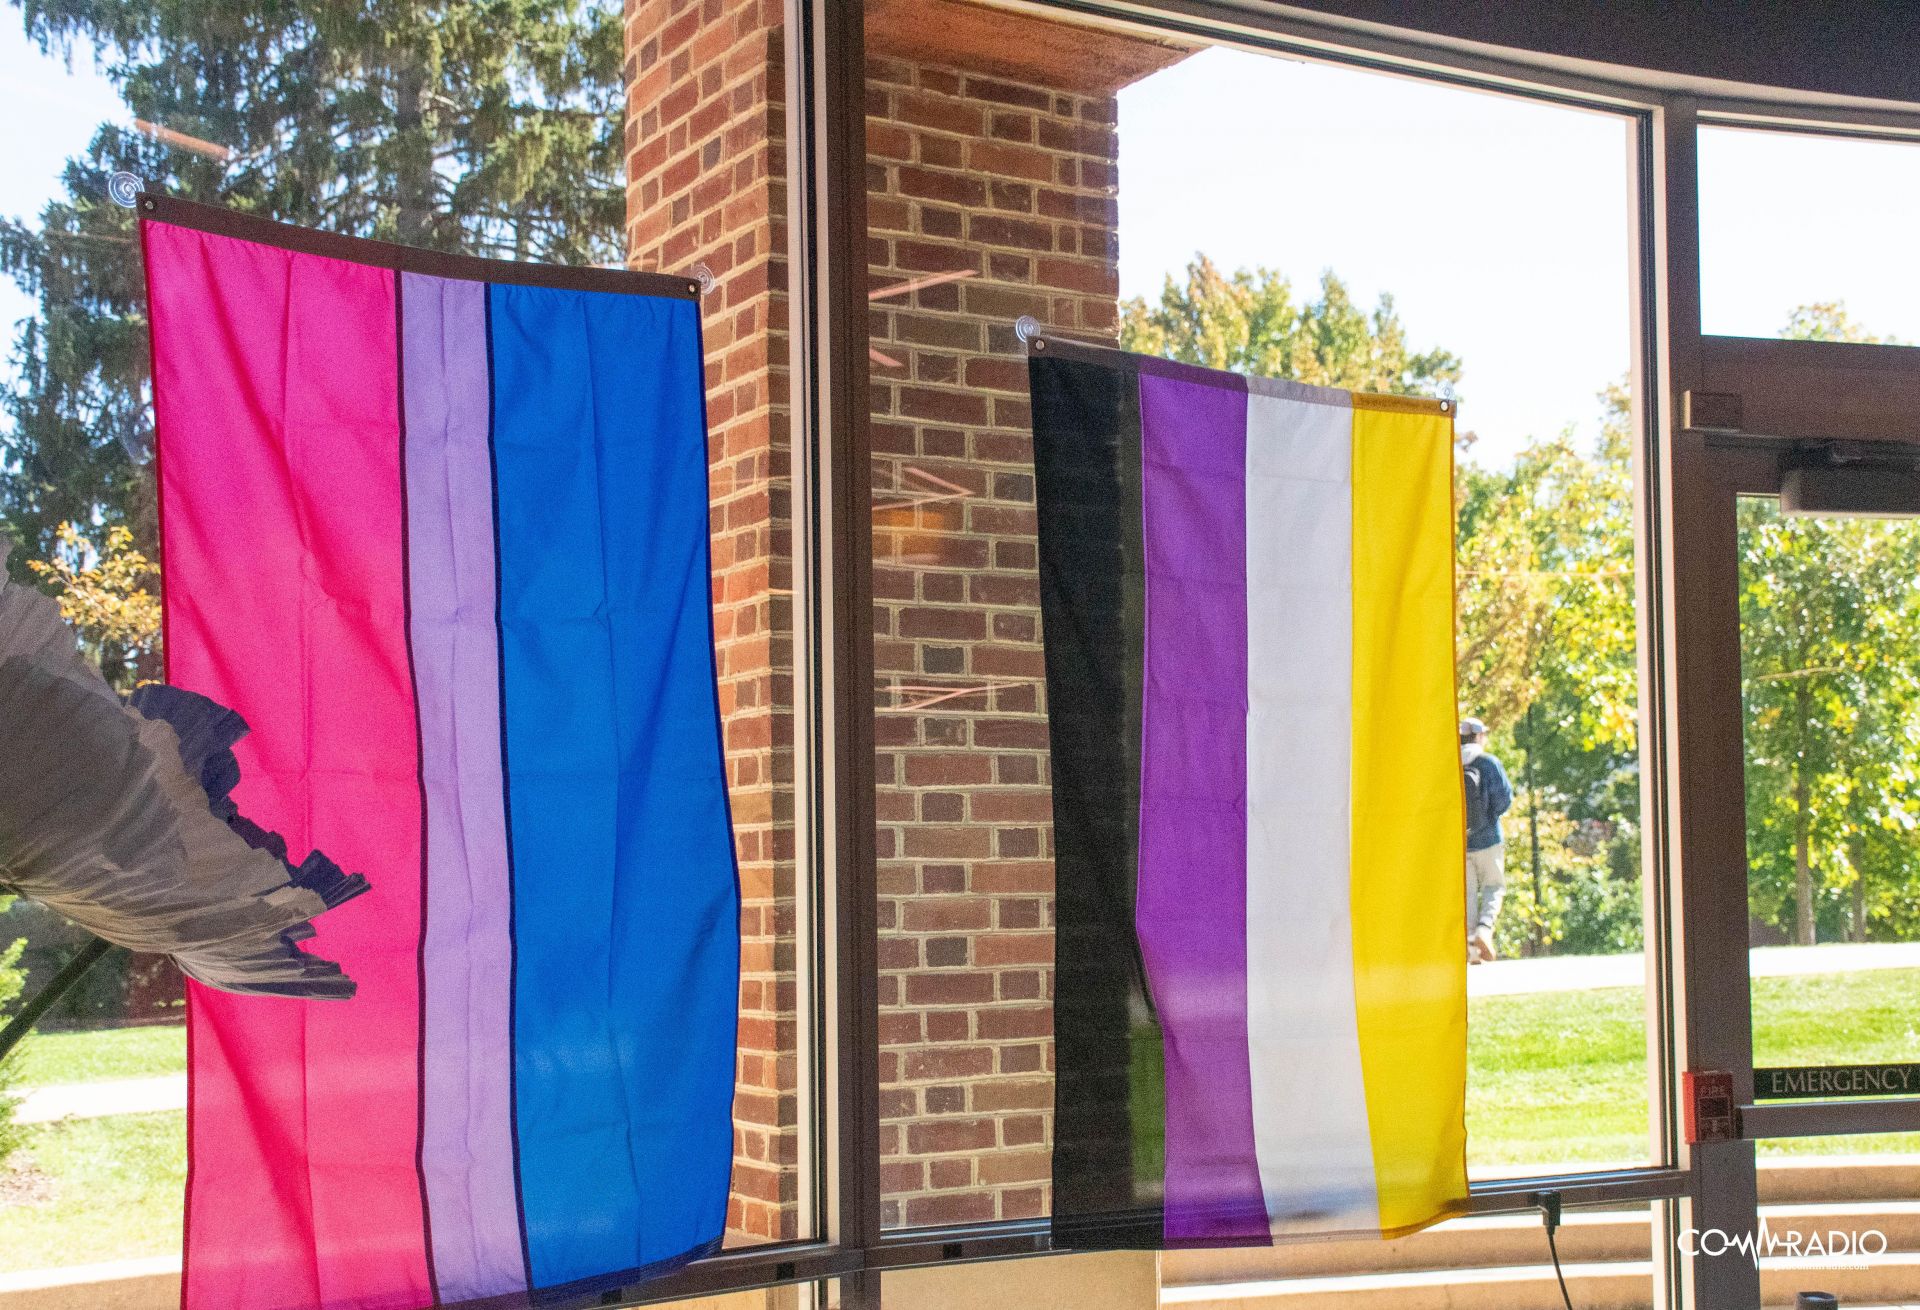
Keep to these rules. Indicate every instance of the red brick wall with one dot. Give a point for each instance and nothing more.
(706, 160)
(1015, 183)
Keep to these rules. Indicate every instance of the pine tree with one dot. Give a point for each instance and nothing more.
(492, 127)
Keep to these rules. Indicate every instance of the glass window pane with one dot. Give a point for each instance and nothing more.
(582, 136)
(1812, 231)
(1829, 629)
(1131, 188)
(93, 1145)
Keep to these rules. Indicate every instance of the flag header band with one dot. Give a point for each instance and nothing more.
(1088, 352)
(154, 207)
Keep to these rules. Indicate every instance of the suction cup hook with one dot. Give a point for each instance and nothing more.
(124, 188)
(702, 277)
(1028, 329)
(138, 445)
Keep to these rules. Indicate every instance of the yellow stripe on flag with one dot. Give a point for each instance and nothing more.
(1409, 851)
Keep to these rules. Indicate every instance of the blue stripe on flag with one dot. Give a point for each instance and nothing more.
(626, 899)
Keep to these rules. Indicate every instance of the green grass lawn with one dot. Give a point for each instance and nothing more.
(1557, 1078)
(92, 1190)
(1560, 1077)
(83, 1057)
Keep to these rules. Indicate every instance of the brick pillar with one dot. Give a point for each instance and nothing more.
(991, 140)
(706, 158)
(1011, 180)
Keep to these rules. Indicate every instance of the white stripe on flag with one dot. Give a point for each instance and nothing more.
(1309, 1098)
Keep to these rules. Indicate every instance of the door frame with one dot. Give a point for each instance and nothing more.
(1764, 399)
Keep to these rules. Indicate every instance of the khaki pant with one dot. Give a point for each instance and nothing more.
(1486, 886)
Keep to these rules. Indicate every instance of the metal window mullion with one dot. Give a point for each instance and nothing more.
(1651, 551)
(813, 981)
(1706, 765)
(840, 235)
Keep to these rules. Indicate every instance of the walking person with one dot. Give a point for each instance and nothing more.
(1489, 796)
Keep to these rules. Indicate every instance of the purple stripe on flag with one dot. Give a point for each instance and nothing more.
(466, 1148)
(1191, 911)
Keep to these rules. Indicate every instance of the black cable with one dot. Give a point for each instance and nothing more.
(1549, 1203)
(1554, 1251)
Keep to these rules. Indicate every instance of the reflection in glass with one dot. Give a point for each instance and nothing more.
(1099, 181)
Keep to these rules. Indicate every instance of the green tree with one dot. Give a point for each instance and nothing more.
(1829, 619)
(1546, 653)
(1252, 322)
(1829, 612)
(487, 126)
(1544, 561)
(104, 595)
(1545, 628)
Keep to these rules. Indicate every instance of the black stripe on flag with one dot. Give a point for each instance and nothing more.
(1108, 1122)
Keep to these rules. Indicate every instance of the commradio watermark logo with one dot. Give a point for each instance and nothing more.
(1837, 1248)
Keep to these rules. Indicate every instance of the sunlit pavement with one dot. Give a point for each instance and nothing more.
(40, 1105)
(1574, 973)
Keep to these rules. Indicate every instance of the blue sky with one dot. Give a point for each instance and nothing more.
(50, 111)
(1499, 225)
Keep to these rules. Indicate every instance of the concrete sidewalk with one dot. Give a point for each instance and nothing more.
(1574, 973)
(39, 1105)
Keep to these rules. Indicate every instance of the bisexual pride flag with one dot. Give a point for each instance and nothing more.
(1260, 992)
(437, 528)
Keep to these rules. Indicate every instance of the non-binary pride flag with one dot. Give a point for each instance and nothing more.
(437, 527)
(1260, 1008)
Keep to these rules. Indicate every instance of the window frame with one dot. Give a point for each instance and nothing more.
(1686, 728)
(1683, 871)
(835, 801)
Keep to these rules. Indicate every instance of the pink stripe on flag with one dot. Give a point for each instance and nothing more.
(1191, 907)
(466, 1150)
(279, 447)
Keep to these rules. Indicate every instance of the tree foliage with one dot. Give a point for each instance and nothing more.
(12, 979)
(1829, 630)
(1829, 618)
(1545, 649)
(487, 126)
(1547, 629)
(1252, 322)
(104, 594)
